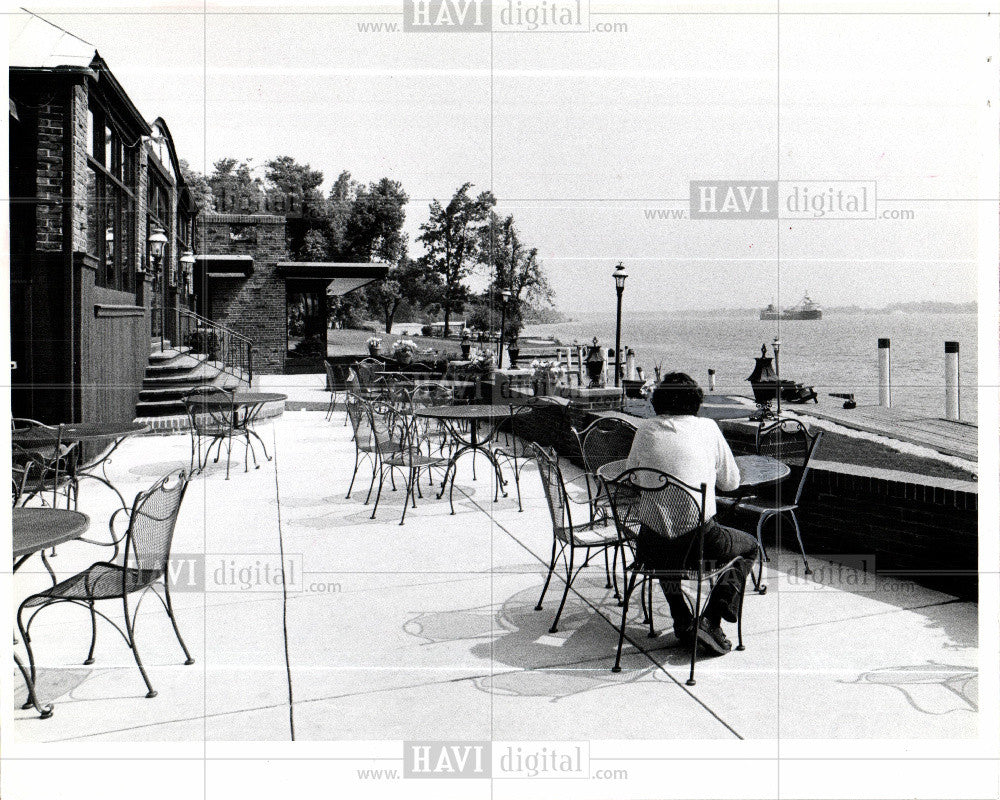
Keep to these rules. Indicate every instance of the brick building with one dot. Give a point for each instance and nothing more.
(104, 234)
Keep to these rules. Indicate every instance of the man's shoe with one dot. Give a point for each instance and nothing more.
(711, 638)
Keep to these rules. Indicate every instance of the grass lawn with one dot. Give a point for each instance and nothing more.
(347, 342)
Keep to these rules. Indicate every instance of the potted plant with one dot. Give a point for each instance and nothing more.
(546, 377)
(466, 343)
(374, 346)
(403, 350)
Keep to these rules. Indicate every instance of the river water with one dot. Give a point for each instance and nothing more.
(835, 354)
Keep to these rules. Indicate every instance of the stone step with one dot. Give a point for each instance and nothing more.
(183, 361)
(158, 356)
(178, 390)
(159, 408)
(204, 372)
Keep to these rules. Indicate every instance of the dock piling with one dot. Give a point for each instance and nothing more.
(952, 397)
(884, 374)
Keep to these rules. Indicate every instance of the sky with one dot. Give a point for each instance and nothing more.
(583, 136)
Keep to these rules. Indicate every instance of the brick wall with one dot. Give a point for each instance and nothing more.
(255, 306)
(54, 106)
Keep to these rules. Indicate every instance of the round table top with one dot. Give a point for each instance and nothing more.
(240, 399)
(78, 432)
(40, 528)
(758, 470)
(471, 412)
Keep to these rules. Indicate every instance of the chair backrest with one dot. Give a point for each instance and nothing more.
(357, 413)
(554, 488)
(425, 395)
(605, 440)
(210, 408)
(36, 467)
(790, 441)
(387, 424)
(332, 379)
(648, 497)
(151, 525)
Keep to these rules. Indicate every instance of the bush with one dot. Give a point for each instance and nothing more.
(426, 330)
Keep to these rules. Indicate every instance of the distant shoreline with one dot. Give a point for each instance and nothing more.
(925, 307)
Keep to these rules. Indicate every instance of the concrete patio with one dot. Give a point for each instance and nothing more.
(427, 631)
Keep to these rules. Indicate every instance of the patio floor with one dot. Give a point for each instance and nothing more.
(427, 631)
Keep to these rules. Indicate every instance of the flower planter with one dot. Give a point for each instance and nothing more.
(513, 353)
(466, 349)
(374, 350)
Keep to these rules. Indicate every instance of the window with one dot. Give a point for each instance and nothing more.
(111, 202)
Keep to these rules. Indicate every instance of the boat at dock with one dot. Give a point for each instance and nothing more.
(806, 308)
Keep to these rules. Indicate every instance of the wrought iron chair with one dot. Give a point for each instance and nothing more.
(38, 470)
(371, 441)
(643, 496)
(212, 417)
(603, 441)
(144, 568)
(413, 456)
(333, 384)
(788, 440)
(516, 448)
(427, 395)
(599, 534)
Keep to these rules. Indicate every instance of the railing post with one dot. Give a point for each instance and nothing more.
(884, 374)
(951, 385)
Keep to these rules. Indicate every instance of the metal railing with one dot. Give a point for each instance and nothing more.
(206, 338)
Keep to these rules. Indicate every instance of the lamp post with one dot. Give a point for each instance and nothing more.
(619, 275)
(187, 268)
(505, 295)
(157, 241)
(776, 346)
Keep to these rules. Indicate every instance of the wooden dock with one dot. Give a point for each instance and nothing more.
(949, 437)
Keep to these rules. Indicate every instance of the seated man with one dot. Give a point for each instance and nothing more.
(693, 450)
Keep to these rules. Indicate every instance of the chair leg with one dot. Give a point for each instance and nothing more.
(569, 582)
(649, 613)
(607, 570)
(371, 483)
(381, 480)
(409, 493)
(739, 620)
(354, 475)
(130, 628)
(759, 586)
(173, 621)
(93, 634)
(798, 535)
(630, 585)
(552, 566)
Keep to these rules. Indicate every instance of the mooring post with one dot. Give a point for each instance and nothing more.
(884, 374)
(711, 380)
(630, 363)
(952, 399)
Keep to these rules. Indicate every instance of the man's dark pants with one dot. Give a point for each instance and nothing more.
(721, 545)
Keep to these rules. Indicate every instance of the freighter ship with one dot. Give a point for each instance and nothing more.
(806, 308)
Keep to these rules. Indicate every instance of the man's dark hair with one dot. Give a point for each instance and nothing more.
(677, 394)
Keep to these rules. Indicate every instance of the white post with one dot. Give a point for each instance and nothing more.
(884, 376)
(711, 380)
(630, 363)
(951, 390)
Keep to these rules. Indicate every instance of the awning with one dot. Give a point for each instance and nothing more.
(341, 277)
(225, 266)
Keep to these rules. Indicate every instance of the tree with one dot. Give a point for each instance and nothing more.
(287, 175)
(233, 179)
(198, 186)
(452, 237)
(408, 283)
(374, 228)
(514, 266)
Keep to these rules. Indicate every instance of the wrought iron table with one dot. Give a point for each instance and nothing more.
(761, 470)
(451, 417)
(247, 407)
(36, 530)
(76, 433)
